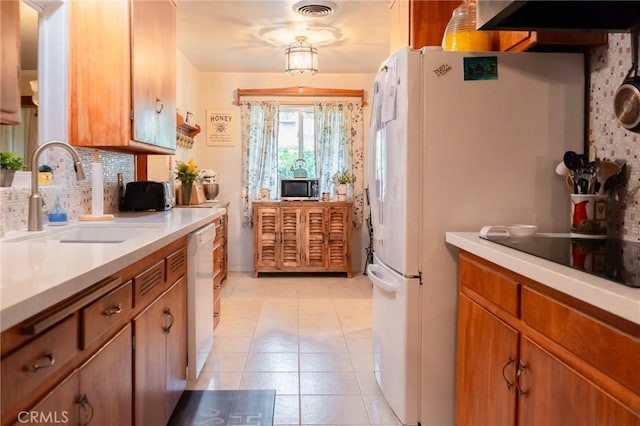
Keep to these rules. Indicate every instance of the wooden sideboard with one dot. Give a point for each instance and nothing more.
(304, 236)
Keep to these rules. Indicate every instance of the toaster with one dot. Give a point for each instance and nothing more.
(147, 195)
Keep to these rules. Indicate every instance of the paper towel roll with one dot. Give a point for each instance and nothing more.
(97, 189)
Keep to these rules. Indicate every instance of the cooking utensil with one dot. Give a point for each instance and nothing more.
(607, 170)
(626, 102)
(573, 161)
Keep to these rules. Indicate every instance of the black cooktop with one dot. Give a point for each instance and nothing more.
(616, 260)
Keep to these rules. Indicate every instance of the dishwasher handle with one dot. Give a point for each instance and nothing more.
(377, 275)
(204, 235)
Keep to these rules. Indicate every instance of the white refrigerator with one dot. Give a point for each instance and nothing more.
(458, 140)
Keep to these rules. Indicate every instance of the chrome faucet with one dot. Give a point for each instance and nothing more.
(35, 201)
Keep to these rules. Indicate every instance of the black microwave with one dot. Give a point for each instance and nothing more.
(299, 189)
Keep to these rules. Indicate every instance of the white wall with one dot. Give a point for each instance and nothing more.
(216, 91)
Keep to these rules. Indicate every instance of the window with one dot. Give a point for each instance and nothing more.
(296, 139)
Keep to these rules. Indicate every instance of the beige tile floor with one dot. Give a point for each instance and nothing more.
(309, 338)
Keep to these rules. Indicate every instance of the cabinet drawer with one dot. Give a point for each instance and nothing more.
(585, 337)
(103, 314)
(149, 284)
(25, 371)
(490, 284)
(176, 265)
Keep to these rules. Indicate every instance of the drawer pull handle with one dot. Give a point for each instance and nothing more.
(114, 310)
(521, 368)
(217, 286)
(509, 383)
(87, 407)
(216, 314)
(48, 359)
(167, 329)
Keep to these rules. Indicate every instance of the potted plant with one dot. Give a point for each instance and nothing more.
(341, 180)
(9, 163)
(186, 173)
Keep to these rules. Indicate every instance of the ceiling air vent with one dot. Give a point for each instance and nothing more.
(314, 8)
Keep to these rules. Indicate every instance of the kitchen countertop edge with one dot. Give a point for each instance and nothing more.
(46, 294)
(609, 296)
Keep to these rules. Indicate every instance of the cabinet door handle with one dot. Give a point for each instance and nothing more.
(521, 368)
(48, 359)
(167, 329)
(114, 310)
(87, 408)
(509, 383)
(160, 104)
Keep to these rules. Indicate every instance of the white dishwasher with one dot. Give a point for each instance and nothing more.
(199, 298)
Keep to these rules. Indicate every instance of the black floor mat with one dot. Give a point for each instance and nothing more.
(224, 407)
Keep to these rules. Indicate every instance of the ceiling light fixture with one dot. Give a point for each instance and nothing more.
(301, 57)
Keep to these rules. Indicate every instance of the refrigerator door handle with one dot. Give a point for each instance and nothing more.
(377, 275)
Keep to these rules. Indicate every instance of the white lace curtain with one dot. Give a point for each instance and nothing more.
(339, 147)
(259, 121)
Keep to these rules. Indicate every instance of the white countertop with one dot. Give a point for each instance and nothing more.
(36, 275)
(615, 298)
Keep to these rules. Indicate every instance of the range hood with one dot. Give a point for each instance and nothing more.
(572, 15)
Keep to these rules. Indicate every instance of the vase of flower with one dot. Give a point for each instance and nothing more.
(186, 173)
(187, 188)
(341, 182)
(341, 191)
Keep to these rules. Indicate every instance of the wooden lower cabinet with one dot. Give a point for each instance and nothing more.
(484, 397)
(115, 353)
(529, 355)
(554, 394)
(302, 237)
(160, 356)
(98, 393)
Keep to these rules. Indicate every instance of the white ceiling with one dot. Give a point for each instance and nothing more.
(250, 36)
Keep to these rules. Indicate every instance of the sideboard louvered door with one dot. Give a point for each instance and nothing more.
(290, 226)
(302, 236)
(315, 244)
(266, 229)
(339, 224)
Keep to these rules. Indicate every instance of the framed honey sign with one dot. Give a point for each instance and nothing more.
(220, 125)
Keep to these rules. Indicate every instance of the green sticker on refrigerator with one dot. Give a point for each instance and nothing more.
(481, 68)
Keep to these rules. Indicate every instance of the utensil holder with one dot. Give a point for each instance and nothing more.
(589, 215)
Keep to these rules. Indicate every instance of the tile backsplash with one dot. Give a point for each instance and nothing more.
(75, 195)
(608, 139)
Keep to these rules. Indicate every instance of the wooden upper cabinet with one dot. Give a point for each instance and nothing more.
(153, 57)
(122, 75)
(419, 23)
(520, 41)
(10, 62)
